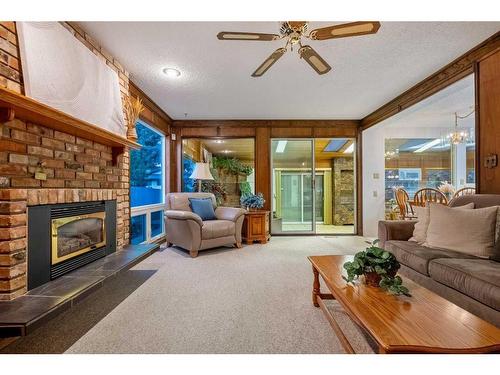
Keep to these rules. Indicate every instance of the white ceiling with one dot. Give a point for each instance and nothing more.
(367, 71)
(438, 110)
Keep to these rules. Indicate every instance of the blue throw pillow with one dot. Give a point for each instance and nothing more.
(203, 207)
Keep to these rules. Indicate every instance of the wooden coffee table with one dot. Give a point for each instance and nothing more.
(422, 323)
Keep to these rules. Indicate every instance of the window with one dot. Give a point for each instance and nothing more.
(138, 229)
(147, 168)
(147, 185)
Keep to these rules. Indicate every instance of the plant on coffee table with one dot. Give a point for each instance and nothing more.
(379, 268)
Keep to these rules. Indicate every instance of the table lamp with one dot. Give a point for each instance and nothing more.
(201, 172)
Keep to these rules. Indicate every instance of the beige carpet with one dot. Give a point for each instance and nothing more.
(251, 300)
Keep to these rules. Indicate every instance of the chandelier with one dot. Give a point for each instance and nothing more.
(458, 136)
(390, 154)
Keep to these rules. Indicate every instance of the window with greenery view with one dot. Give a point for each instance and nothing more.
(146, 168)
(147, 179)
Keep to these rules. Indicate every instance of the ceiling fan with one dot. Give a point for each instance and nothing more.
(293, 32)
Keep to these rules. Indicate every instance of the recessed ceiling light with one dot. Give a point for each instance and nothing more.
(171, 72)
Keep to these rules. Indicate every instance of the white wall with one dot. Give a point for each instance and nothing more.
(374, 166)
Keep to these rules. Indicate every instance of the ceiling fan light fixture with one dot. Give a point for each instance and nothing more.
(171, 72)
(293, 32)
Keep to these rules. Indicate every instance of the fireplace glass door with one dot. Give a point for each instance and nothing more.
(75, 235)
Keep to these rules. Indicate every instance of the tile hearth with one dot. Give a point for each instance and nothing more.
(26, 313)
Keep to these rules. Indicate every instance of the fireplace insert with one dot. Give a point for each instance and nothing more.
(64, 237)
(75, 235)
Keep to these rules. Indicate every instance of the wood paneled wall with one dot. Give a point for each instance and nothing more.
(263, 131)
(488, 99)
(263, 164)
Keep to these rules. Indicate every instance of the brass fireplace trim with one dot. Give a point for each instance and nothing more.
(56, 223)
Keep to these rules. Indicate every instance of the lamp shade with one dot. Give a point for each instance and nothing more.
(201, 172)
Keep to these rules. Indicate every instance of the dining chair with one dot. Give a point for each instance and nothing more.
(464, 191)
(403, 201)
(425, 195)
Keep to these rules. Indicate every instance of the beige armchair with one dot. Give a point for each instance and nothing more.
(186, 229)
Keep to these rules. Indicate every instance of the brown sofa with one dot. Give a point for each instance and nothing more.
(186, 229)
(470, 282)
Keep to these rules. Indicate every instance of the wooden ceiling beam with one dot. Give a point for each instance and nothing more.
(266, 123)
(456, 70)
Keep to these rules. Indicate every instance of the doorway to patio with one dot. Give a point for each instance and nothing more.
(313, 186)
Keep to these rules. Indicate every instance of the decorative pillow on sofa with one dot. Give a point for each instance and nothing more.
(422, 225)
(467, 231)
(203, 207)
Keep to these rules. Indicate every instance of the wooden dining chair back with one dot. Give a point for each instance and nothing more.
(403, 201)
(464, 191)
(425, 195)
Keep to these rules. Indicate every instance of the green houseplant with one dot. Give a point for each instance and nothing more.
(231, 165)
(379, 268)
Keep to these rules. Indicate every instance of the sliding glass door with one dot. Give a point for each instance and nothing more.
(313, 186)
(293, 176)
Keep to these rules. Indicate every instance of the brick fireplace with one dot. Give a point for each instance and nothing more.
(40, 165)
(75, 170)
(47, 158)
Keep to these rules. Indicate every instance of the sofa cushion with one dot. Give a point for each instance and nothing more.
(476, 278)
(217, 228)
(417, 257)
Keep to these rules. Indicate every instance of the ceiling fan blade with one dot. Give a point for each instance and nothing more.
(315, 60)
(269, 62)
(235, 35)
(345, 30)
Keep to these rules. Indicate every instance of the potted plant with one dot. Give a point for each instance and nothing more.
(252, 201)
(379, 268)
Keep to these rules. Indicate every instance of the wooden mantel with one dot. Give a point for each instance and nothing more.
(14, 105)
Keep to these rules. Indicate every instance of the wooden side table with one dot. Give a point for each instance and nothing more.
(256, 227)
